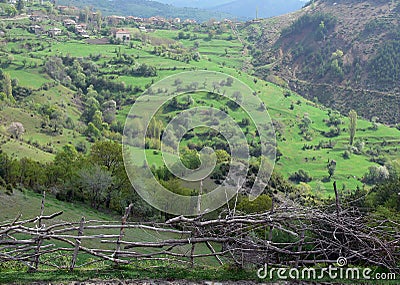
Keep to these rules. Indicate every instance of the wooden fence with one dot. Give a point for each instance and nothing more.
(288, 235)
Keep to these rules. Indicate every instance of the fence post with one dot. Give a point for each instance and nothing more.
(337, 200)
(77, 244)
(39, 240)
(270, 231)
(192, 254)
(122, 231)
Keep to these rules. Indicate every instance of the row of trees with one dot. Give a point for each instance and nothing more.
(98, 179)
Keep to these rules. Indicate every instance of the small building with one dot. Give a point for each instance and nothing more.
(123, 35)
(83, 33)
(177, 21)
(115, 19)
(69, 22)
(54, 32)
(36, 29)
(190, 21)
(36, 18)
(143, 29)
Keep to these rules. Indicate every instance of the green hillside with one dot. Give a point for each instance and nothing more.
(52, 108)
(344, 53)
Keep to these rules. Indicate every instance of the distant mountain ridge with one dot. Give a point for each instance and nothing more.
(146, 8)
(261, 9)
(203, 4)
(241, 8)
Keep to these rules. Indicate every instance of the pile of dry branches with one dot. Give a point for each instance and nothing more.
(288, 235)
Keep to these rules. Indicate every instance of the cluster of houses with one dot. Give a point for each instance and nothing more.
(70, 23)
(152, 20)
(39, 30)
(79, 29)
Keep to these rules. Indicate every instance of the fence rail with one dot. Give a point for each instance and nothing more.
(288, 235)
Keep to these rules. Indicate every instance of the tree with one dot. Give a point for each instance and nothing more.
(191, 159)
(229, 81)
(91, 106)
(95, 181)
(300, 176)
(107, 154)
(352, 125)
(10, 10)
(16, 129)
(65, 165)
(92, 131)
(376, 174)
(7, 85)
(331, 168)
(56, 120)
(262, 204)
(97, 120)
(20, 5)
(99, 19)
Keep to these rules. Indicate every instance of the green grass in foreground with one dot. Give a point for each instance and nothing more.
(147, 270)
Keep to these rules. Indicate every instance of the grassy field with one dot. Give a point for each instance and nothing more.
(27, 203)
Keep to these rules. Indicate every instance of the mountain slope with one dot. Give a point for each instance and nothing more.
(146, 8)
(266, 8)
(344, 53)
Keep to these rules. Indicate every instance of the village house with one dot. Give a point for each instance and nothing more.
(142, 29)
(135, 19)
(81, 31)
(156, 20)
(37, 18)
(123, 35)
(69, 22)
(190, 21)
(115, 19)
(67, 9)
(36, 29)
(54, 32)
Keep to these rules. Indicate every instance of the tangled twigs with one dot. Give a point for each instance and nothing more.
(290, 235)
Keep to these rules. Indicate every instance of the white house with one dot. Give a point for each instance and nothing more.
(54, 32)
(123, 35)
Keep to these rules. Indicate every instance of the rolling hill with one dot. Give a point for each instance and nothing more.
(344, 53)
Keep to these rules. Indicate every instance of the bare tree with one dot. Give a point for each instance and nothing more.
(95, 182)
(16, 129)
